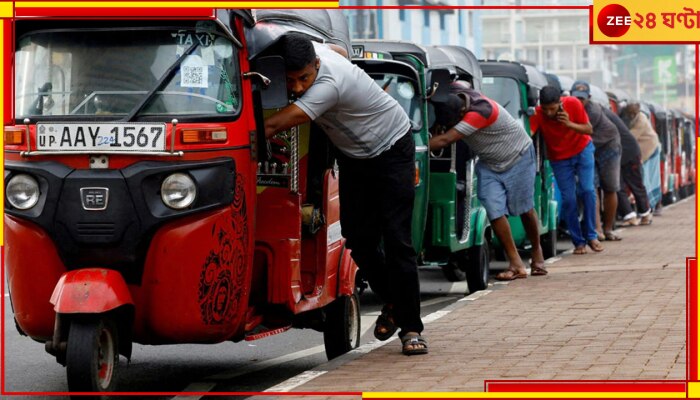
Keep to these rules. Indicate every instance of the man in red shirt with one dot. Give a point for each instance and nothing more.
(564, 125)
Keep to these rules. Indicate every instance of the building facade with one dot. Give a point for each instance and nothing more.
(428, 26)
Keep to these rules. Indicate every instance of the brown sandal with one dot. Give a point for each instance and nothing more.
(579, 250)
(413, 344)
(385, 326)
(538, 269)
(612, 237)
(510, 274)
(595, 245)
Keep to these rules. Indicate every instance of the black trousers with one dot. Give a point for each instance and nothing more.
(631, 177)
(376, 208)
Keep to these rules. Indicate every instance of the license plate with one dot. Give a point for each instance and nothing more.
(101, 137)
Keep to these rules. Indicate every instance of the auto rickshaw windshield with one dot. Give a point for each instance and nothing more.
(404, 91)
(504, 91)
(112, 71)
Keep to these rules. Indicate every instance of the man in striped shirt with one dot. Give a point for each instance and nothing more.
(505, 171)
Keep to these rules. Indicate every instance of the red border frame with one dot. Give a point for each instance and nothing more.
(502, 386)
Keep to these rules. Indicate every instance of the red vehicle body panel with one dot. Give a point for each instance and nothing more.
(29, 294)
(90, 290)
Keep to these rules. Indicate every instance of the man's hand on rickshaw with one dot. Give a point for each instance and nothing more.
(441, 141)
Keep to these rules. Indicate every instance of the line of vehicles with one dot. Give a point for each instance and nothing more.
(144, 204)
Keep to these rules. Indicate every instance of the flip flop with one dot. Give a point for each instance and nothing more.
(580, 250)
(538, 269)
(509, 275)
(595, 245)
(385, 327)
(410, 343)
(612, 237)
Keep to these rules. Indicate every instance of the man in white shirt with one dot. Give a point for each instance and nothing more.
(377, 170)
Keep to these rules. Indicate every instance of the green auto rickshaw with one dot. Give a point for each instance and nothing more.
(450, 227)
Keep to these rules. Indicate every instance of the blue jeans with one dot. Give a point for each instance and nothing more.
(577, 170)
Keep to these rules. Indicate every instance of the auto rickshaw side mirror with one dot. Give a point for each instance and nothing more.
(532, 95)
(439, 85)
(269, 75)
(530, 111)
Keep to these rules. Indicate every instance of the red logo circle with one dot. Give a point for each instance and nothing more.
(614, 20)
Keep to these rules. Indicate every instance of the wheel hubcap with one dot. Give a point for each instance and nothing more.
(105, 359)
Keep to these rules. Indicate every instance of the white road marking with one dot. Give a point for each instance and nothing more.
(434, 316)
(366, 321)
(552, 260)
(259, 366)
(475, 295)
(296, 381)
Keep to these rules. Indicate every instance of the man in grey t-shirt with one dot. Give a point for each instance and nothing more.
(608, 151)
(377, 170)
(506, 168)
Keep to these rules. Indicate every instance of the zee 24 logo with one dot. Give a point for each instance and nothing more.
(614, 20)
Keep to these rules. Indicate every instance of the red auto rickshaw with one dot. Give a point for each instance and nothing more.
(143, 204)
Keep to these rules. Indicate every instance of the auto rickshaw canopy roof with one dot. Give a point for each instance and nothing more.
(599, 96)
(462, 60)
(508, 69)
(553, 80)
(325, 25)
(390, 49)
(619, 95)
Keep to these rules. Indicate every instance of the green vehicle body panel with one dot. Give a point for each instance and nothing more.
(436, 194)
(443, 209)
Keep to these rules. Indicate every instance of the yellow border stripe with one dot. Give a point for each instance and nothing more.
(153, 4)
(526, 395)
(693, 390)
(7, 9)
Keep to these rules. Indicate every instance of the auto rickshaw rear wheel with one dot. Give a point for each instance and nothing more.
(341, 331)
(548, 242)
(92, 356)
(479, 268)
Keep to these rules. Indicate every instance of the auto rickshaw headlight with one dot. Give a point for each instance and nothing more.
(22, 191)
(178, 191)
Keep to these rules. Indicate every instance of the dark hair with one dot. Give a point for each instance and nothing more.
(449, 112)
(549, 95)
(297, 51)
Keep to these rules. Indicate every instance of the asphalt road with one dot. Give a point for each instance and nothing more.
(225, 367)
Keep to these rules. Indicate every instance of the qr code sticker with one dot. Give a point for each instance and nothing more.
(193, 73)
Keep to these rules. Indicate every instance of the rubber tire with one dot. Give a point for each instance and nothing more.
(548, 241)
(341, 332)
(453, 271)
(91, 343)
(479, 267)
(668, 198)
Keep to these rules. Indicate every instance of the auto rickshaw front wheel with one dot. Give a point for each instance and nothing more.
(92, 355)
(341, 331)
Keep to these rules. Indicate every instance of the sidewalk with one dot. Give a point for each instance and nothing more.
(619, 314)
